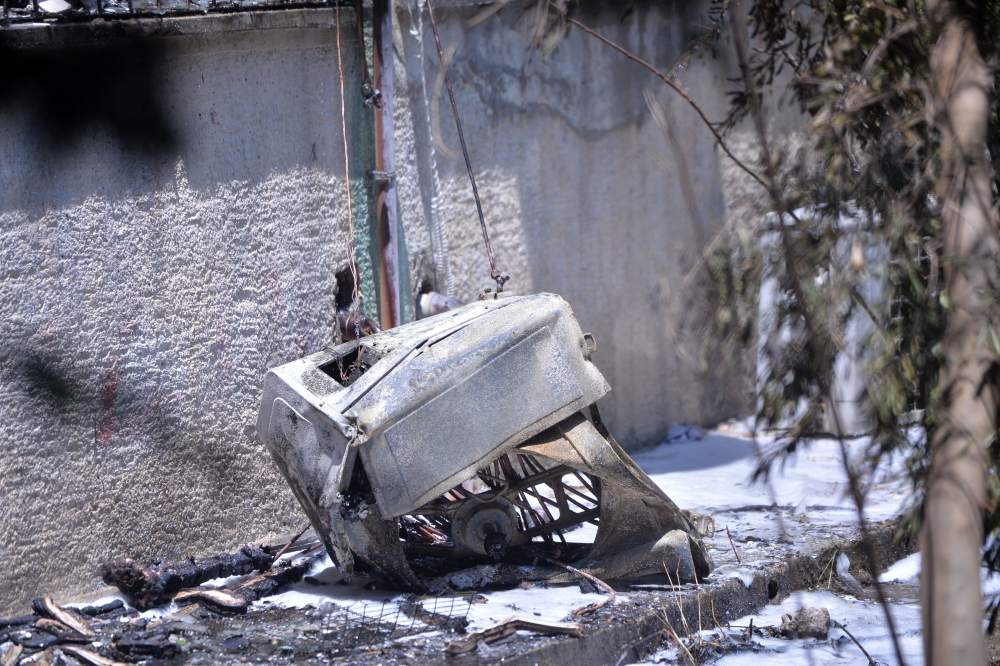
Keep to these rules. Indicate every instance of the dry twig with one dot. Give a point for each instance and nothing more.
(592, 579)
(680, 91)
(819, 354)
(733, 545)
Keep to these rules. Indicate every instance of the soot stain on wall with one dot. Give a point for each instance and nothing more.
(67, 89)
(44, 376)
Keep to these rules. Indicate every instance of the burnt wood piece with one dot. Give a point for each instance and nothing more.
(103, 609)
(250, 591)
(89, 656)
(217, 599)
(39, 641)
(18, 621)
(61, 631)
(144, 644)
(507, 627)
(268, 583)
(46, 607)
(148, 587)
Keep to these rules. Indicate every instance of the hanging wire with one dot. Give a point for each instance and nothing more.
(500, 278)
(439, 235)
(356, 293)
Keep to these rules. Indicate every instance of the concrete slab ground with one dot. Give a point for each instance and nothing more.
(763, 552)
(301, 626)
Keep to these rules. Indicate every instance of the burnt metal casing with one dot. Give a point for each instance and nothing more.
(443, 397)
(430, 404)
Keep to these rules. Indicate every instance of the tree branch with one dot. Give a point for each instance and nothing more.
(679, 90)
(819, 353)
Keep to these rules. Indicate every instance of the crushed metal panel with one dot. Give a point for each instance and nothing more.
(459, 429)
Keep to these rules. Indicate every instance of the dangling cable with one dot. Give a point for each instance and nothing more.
(356, 293)
(500, 278)
(439, 235)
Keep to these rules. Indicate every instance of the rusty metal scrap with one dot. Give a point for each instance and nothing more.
(462, 449)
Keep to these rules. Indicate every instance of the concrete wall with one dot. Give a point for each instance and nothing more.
(148, 285)
(145, 293)
(576, 200)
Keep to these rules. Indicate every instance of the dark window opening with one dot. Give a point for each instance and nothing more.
(347, 368)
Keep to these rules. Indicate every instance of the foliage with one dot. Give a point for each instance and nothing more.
(864, 223)
(868, 238)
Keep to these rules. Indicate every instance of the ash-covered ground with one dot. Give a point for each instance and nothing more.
(759, 528)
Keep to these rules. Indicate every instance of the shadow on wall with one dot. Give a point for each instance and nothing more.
(66, 90)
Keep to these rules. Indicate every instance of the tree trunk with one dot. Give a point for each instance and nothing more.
(952, 533)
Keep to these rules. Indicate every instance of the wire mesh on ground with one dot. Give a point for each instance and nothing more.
(364, 626)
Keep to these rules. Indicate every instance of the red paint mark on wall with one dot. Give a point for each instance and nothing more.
(107, 423)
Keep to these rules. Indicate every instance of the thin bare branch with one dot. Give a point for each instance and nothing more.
(821, 356)
(680, 91)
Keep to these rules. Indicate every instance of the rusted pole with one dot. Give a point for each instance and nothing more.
(385, 166)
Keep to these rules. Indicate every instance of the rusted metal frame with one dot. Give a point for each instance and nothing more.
(366, 86)
(586, 485)
(582, 507)
(538, 465)
(542, 503)
(564, 512)
(508, 467)
(536, 517)
(521, 503)
(540, 477)
(573, 490)
(504, 486)
(564, 522)
(542, 499)
(521, 459)
(535, 468)
(580, 493)
(385, 162)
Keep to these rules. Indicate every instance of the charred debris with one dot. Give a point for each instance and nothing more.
(458, 452)
(461, 450)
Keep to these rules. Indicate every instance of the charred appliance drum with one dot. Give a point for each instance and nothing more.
(462, 449)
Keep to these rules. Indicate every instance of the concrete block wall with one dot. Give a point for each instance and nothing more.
(569, 168)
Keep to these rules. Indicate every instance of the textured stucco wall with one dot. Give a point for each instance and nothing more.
(144, 296)
(145, 293)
